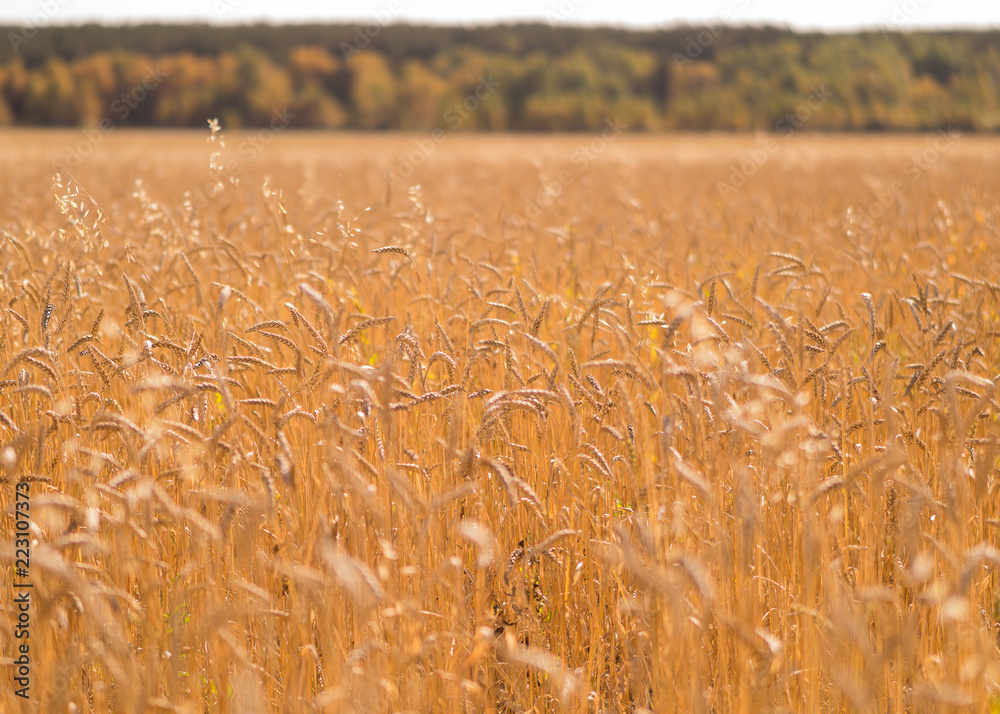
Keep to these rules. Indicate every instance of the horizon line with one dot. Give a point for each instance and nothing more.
(883, 28)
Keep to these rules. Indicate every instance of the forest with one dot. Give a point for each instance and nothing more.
(542, 77)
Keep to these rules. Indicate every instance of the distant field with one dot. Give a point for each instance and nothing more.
(385, 146)
(365, 422)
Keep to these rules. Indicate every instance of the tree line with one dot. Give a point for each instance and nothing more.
(544, 77)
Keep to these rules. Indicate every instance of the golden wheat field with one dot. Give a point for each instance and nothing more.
(304, 434)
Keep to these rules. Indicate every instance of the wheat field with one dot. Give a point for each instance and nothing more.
(304, 435)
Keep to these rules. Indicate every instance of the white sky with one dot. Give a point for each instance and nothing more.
(800, 14)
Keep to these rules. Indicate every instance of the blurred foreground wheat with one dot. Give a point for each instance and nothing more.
(648, 451)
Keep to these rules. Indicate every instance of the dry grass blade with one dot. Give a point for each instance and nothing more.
(482, 537)
(357, 579)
